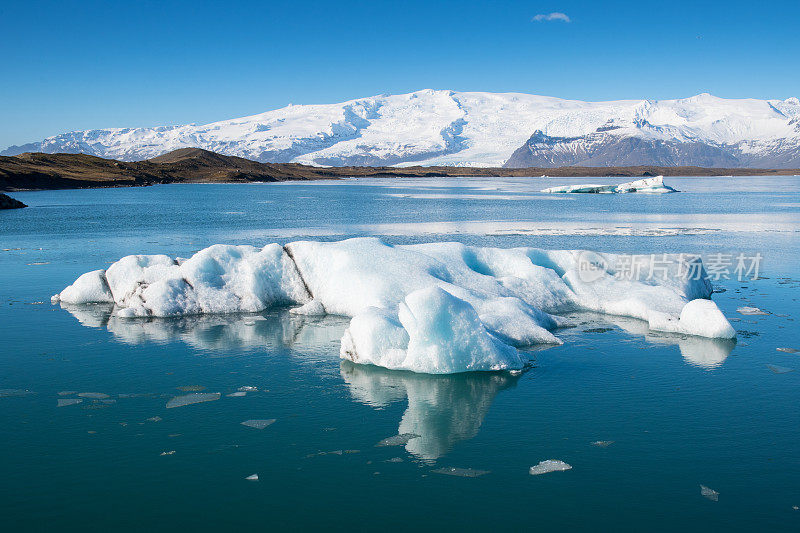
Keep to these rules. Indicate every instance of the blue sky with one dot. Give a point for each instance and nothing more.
(79, 65)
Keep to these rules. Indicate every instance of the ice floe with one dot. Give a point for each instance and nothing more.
(549, 465)
(708, 493)
(432, 308)
(195, 397)
(654, 185)
(460, 472)
(258, 424)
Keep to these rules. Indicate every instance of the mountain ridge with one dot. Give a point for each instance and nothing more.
(449, 128)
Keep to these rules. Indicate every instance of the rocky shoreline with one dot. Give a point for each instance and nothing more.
(6, 202)
(40, 171)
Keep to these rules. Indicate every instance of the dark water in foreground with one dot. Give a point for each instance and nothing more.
(681, 412)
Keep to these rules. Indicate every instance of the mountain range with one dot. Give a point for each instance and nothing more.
(449, 128)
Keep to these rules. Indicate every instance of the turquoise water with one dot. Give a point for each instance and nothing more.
(681, 412)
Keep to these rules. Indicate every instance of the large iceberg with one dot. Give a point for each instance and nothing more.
(654, 185)
(434, 308)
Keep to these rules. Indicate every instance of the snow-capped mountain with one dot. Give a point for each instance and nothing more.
(438, 127)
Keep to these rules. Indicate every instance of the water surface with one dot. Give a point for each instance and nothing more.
(681, 412)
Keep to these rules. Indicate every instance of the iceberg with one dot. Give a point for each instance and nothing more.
(432, 308)
(654, 185)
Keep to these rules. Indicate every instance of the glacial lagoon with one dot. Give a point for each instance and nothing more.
(127, 424)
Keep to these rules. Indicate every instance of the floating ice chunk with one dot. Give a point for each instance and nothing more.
(603, 443)
(94, 395)
(788, 350)
(252, 477)
(11, 393)
(508, 296)
(397, 440)
(196, 397)
(237, 394)
(699, 317)
(751, 311)
(780, 369)
(247, 388)
(711, 494)
(63, 402)
(654, 185)
(67, 392)
(88, 288)
(155, 419)
(170, 452)
(460, 472)
(549, 465)
(258, 424)
(312, 308)
(191, 388)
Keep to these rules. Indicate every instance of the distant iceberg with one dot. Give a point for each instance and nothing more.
(653, 185)
(435, 308)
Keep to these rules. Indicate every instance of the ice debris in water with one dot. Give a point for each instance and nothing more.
(258, 424)
(654, 185)
(780, 369)
(247, 388)
(398, 440)
(67, 392)
(788, 350)
(460, 472)
(191, 388)
(10, 393)
(63, 402)
(603, 443)
(93, 395)
(549, 465)
(196, 397)
(711, 494)
(434, 308)
(237, 394)
(252, 477)
(751, 311)
(170, 452)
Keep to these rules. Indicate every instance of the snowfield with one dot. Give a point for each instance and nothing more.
(436, 308)
(440, 127)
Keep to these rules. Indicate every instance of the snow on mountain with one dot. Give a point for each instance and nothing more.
(477, 129)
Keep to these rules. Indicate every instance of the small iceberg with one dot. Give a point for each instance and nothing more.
(654, 185)
(189, 399)
(460, 472)
(549, 465)
(258, 424)
(708, 493)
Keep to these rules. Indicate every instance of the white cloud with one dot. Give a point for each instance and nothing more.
(555, 15)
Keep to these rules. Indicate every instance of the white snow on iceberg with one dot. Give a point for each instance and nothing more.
(433, 308)
(653, 185)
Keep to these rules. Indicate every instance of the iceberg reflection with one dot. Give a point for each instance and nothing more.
(275, 329)
(442, 409)
(702, 352)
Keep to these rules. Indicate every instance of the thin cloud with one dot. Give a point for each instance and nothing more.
(555, 15)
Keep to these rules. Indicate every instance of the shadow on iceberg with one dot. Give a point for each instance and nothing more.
(442, 409)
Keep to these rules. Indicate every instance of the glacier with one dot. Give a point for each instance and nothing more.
(442, 127)
(436, 308)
